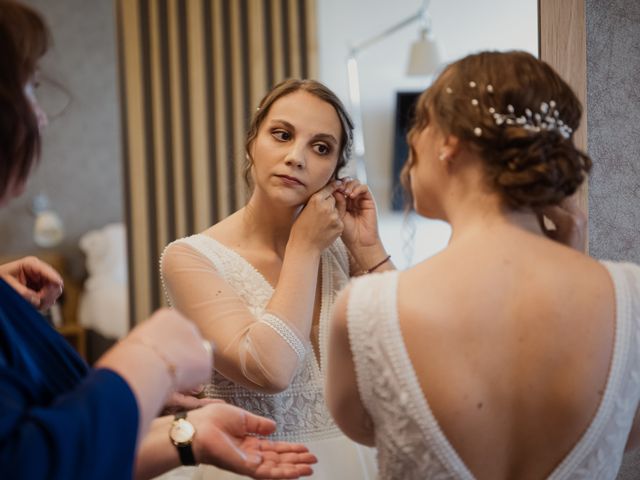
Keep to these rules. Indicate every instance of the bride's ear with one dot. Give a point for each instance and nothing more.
(450, 148)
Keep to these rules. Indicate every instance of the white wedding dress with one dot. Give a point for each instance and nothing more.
(300, 411)
(410, 443)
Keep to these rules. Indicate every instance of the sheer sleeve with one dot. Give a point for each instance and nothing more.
(260, 350)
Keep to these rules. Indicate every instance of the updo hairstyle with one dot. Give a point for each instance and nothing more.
(519, 115)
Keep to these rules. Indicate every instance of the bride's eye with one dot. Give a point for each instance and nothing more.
(321, 149)
(281, 135)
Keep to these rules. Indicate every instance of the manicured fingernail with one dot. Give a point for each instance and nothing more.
(199, 389)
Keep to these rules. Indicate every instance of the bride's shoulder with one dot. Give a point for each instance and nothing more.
(227, 231)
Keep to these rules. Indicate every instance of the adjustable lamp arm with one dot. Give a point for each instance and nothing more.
(355, 49)
(420, 14)
(354, 83)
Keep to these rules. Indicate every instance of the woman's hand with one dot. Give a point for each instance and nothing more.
(358, 211)
(569, 222)
(36, 281)
(319, 223)
(177, 343)
(226, 437)
(191, 400)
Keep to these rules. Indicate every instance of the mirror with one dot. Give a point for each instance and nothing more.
(488, 25)
(81, 170)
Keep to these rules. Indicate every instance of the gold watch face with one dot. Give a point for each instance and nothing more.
(182, 432)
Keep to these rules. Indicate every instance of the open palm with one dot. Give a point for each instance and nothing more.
(229, 441)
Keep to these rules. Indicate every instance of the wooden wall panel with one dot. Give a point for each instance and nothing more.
(563, 45)
(191, 75)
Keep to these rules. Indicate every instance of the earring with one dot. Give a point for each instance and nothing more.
(442, 157)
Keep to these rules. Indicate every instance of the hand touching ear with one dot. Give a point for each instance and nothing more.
(358, 211)
(569, 222)
(319, 223)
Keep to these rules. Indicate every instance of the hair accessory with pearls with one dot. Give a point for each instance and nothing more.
(546, 118)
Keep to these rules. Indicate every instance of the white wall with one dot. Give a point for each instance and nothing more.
(460, 27)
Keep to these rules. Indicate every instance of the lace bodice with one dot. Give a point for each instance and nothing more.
(299, 411)
(410, 443)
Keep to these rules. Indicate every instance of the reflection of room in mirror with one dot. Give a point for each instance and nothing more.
(411, 239)
(382, 75)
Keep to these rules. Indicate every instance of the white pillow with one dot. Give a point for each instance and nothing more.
(104, 303)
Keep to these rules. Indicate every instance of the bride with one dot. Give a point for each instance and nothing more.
(507, 355)
(261, 283)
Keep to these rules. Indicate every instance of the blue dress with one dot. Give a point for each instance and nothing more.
(59, 419)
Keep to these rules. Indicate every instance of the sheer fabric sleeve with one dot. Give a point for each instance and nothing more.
(261, 351)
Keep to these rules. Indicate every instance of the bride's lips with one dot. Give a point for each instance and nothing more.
(290, 180)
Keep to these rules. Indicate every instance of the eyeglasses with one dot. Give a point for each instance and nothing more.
(50, 95)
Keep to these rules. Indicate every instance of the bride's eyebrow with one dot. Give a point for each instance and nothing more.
(327, 137)
(284, 123)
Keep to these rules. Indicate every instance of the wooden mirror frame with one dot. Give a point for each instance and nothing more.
(563, 45)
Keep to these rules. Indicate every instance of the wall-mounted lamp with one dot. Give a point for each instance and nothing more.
(48, 229)
(424, 59)
(425, 56)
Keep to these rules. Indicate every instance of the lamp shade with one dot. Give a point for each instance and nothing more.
(48, 230)
(425, 56)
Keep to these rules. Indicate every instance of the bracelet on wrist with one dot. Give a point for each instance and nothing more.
(171, 367)
(377, 265)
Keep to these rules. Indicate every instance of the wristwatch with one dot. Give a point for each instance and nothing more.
(181, 434)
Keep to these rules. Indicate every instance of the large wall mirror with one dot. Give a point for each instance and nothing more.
(154, 81)
(253, 42)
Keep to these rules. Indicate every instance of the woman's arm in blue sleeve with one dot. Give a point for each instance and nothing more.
(89, 432)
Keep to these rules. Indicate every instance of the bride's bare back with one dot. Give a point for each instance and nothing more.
(512, 343)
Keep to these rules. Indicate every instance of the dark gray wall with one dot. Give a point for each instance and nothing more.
(613, 98)
(81, 168)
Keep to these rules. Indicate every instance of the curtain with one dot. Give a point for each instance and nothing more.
(191, 72)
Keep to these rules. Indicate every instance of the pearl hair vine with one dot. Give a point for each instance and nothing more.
(547, 118)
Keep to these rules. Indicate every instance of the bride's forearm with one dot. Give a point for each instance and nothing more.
(295, 293)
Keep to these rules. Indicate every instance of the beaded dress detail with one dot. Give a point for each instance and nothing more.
(410, 443)
(300, 411)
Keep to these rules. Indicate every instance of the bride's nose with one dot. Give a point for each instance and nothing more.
(295, 157)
